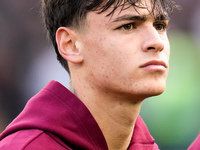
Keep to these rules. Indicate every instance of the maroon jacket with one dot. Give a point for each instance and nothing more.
(196, 144)
(55, 119)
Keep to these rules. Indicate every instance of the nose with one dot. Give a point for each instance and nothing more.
(153, 41)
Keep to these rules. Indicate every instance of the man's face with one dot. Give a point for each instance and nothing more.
(126, 54)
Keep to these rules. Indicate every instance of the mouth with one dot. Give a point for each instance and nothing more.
(155, 65)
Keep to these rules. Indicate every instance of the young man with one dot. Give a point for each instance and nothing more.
(117, 54)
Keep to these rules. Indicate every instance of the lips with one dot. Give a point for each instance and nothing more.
(158, 65)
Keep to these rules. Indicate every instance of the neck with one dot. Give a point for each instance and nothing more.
(117, 124)
(115, 115)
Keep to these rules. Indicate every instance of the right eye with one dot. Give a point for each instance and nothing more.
(128, 27)
(160, 26)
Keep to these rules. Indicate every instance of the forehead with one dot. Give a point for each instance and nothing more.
(153, 6)
(141, 7)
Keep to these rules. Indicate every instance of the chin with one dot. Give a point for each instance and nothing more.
(154, 88)
(151, 94)
(155, 91)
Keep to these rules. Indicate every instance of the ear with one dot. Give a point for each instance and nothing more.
(68, 45)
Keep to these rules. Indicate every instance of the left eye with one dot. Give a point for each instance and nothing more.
(160, 26)
(129, 26)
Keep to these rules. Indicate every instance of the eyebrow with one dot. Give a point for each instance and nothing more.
(126, 17)
(162, 17)
(130, 17)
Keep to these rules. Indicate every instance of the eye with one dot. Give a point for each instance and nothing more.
(128, 27)
(160, 26)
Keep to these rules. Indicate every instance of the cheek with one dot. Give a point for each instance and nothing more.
(104, 59)
(100, 49)
(96, 53)
(167, 51)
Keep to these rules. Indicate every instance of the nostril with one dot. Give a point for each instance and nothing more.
(150, 48)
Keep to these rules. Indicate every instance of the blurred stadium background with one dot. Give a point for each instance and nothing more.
(27, 64)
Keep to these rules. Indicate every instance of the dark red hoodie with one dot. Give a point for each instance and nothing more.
(196, 144)
(55, 119)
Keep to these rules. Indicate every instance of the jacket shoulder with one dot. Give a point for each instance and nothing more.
(196, 144)
(32, 139)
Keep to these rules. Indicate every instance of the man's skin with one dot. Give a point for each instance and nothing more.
(115, 63)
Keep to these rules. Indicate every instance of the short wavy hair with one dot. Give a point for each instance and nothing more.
(70, 13)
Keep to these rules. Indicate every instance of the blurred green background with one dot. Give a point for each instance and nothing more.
(28, 63)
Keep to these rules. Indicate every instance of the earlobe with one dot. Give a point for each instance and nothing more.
(68, 46)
